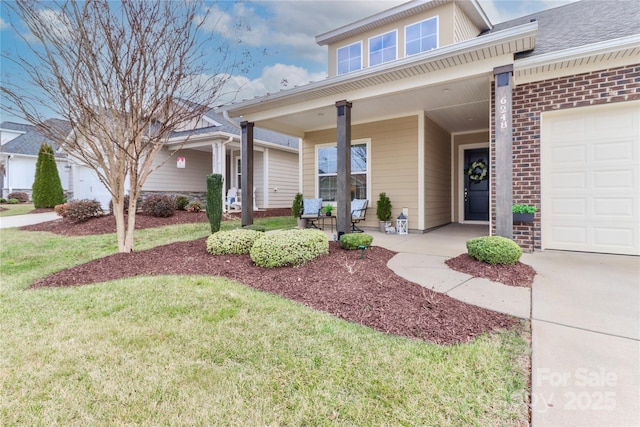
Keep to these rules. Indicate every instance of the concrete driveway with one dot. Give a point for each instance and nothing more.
(27, 219)
(586, 339)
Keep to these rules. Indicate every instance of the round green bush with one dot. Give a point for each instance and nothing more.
(3, 200)
(289, 248)
(195, 206)
(494, 250)
(351, 241)
(182, 202)
(12, 201)
(159, 205)
(238, 241)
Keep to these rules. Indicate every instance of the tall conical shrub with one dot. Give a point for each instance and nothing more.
(214, 201)
(47, 188)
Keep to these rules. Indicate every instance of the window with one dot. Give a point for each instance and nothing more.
(350, 58)
(327, 162)
(421, 37)
(383, 48)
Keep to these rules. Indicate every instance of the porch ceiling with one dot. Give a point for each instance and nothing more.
(457, 106)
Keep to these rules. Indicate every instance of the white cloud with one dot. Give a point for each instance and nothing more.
(504, 10)
(274, 78)
(289, 24)
(4, 25)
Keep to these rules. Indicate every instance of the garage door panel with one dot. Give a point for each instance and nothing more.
(613, 179)
(591, 179)
(618, 151)
(622, 208)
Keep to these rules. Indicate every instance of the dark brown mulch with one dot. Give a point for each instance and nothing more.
(42, 210)
(107, 223)
(513, 275)
(360, 290)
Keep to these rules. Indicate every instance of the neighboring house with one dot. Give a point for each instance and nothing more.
(19, 155)
(430, 94)
(211, 146)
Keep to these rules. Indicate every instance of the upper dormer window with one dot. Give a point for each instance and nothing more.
(383, 48)
(421, 36)
(350, 58)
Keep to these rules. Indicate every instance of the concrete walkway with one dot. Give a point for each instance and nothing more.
(28, 219)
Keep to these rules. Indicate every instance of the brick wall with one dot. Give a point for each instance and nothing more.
(529, 101)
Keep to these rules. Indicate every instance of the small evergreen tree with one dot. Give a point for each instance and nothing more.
(214, 201)
(47, 188)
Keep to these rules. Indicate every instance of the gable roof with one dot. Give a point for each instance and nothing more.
(222, 125)
(578, 24)
(470, 7)
(29, 143)
(18, 127)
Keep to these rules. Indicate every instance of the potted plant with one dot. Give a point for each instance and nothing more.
(296, 210)
(383, 211)
(328, 209)
(523, 213)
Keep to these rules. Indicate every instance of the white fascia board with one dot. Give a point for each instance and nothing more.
(208, 138)
(594, 49)
(456, 49)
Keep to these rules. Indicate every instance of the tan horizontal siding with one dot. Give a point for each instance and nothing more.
(394, 162)
(437, 175)
(169, 178)
(283, 175)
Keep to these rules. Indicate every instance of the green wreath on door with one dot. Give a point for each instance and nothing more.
(477, 171)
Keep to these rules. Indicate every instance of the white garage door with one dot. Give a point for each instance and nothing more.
(591, 179)
(87, 185)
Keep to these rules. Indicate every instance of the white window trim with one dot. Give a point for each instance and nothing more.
(361, 56)
(437, 18)
(369, 47)
(366, 141)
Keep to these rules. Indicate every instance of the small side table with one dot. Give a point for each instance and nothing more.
(332, 221)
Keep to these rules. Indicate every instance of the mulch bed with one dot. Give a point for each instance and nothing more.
(518, 274)
(364, 291)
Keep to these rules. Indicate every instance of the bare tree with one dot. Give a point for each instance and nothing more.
(124, 76)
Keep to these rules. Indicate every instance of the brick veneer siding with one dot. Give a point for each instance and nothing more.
(529, 101)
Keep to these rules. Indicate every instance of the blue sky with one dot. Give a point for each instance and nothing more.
(286, 30)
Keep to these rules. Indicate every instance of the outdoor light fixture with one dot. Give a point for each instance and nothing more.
(402, 224)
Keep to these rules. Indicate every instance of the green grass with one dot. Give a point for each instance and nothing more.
(192, 350)
(17, 209)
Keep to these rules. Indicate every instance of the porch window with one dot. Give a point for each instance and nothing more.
(421, 36)
(327, 167)
(383, 48)
(350, 58)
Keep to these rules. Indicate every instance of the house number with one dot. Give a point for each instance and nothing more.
(503, 112)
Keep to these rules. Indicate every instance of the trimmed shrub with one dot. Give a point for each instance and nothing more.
(182, 202)
(214, 201)
(298, 205)
(47, 188)
(159, 205)
(256, 227)
(351, 241)
(238, 241)
(494, 250)
(289, 248)
(82, 210)
(126, 204)
(195, 206)
(3, 200)
(59, 209)
(13, 201)
(19, 195)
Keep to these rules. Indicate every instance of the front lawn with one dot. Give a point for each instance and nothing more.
(194, 350)
(17, 209)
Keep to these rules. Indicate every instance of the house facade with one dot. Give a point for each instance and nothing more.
(19, 156)
(211, 145)
(457, 119)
